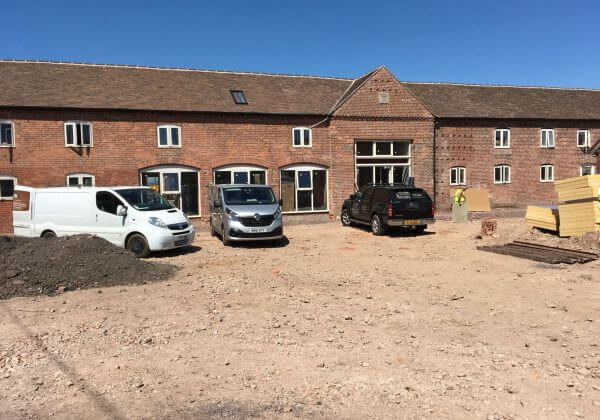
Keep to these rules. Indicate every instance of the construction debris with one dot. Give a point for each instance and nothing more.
(542, 217)
(489, 226)
(541, 253)
(579, 208)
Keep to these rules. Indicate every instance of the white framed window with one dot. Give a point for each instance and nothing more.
(547, 137)
(78, 134)
(458, 176)
(501, 174)
(583, 138)
(382, 161)
(587, 169)
(304, 188)
(383, 149)
(168, 136)
(502, 138)
(81, 180)
(546, 173)
(7, 133)
(233, 174)
(301, 137)
(180, 185)
(7, 187)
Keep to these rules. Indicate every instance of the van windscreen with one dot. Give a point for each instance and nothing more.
(239, 196)
(144, 199)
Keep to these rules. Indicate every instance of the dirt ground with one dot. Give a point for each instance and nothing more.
(336, 324)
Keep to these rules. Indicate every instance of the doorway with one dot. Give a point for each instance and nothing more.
(179, 185)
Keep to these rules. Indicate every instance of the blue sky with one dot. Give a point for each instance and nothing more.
(553, 43)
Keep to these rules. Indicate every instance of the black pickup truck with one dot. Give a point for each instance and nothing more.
(389, 205)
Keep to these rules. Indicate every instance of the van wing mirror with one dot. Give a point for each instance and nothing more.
(217, 204)
(121, 210)
(352, 196)
(280, 202)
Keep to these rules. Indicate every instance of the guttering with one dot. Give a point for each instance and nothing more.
(436, 125)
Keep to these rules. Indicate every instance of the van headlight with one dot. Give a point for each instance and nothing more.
(156, 221)
(231, 215)
(277, 214)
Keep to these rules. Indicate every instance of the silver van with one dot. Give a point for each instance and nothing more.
(244, 213)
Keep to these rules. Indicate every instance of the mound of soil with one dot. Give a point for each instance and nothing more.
(38, 266)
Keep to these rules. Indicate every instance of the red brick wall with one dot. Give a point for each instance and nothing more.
(125, 142)
(6, 216)
(362, 117)
(470, 143)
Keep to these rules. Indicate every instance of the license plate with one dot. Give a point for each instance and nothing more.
(258, 230)
(411, 222)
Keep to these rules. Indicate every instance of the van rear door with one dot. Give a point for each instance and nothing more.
(22, 211)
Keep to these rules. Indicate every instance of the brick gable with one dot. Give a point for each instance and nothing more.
(364, 101)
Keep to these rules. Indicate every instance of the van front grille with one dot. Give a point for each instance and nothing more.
(178, 226)
(259, 221)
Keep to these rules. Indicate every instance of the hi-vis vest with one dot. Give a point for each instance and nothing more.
(459, 196)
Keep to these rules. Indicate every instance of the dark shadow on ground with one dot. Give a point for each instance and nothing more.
(277, 243)
(190, 249)
(395, 232)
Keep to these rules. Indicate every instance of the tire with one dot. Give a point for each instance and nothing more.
(48, 235)
(212, 229)
(346, 218)
(138, 244)
(226, 241)
(420, 228)
(376, 226)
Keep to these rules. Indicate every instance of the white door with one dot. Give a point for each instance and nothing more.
(108, 225)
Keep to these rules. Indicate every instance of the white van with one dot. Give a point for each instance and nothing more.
(137, 218)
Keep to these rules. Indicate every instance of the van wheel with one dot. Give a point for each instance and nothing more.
(48, 235)
(346, 218)
(376, 226)
(226, 241)
(138, 244)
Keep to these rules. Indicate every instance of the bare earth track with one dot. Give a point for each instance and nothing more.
(336, 324)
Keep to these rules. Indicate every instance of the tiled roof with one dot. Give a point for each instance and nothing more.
(71, 85)
(487, 101)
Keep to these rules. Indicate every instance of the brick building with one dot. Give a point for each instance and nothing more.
(314, 139)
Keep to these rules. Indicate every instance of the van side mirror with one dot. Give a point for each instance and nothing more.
(217, 204)
(352, 196)
(121, 210)
(280, 202)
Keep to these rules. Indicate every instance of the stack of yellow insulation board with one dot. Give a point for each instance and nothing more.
(579, 208)
(542, 217)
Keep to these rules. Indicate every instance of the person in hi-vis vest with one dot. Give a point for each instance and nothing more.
(459, 209)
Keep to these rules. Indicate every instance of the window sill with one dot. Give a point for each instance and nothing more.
(547, 147)
(6, 198)
(74, 146)
(170, 147)
(301, 147)
(304, 212)
(547, 182)
(502, 147)
(7, 146)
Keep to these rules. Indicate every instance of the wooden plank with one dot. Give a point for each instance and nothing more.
(556, 248)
